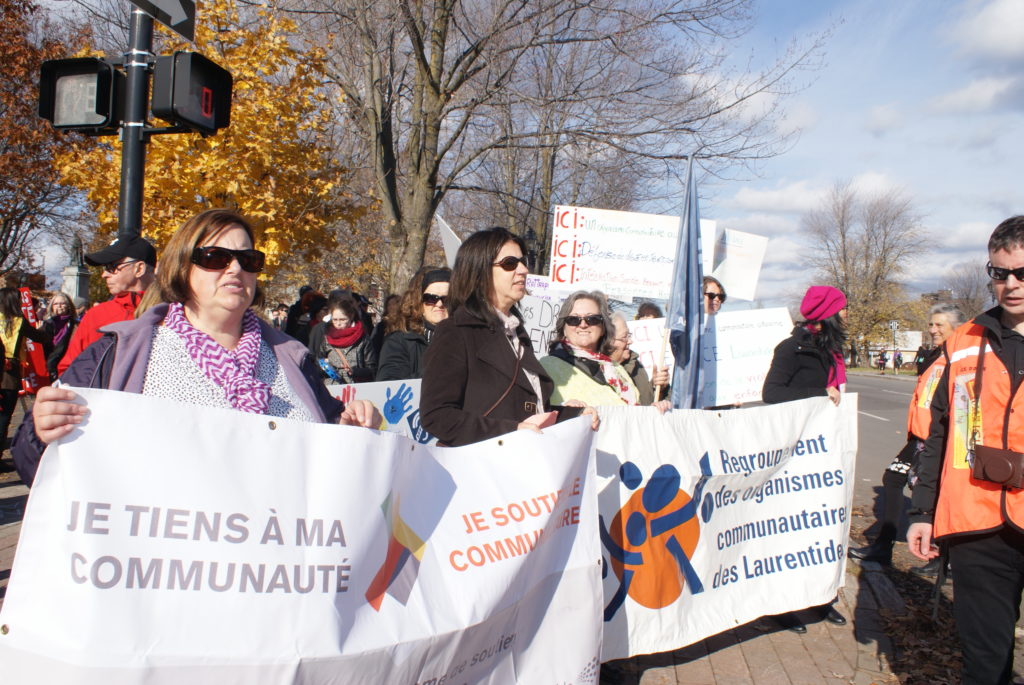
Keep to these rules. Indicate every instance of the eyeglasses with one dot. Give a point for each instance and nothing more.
(591, 319)
(432, 300)
(628, 338)
(115, 267)
(218, 258)
(715, 296)
(997, 273)
(510, 263)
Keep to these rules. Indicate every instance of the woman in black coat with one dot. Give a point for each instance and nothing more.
(58, 326)
(482, 378)
(423, 307)
(809, 363)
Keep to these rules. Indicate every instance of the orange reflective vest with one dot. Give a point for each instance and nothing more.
(919, 418)
(967, 505)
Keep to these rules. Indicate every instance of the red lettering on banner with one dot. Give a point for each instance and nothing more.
(559, 251)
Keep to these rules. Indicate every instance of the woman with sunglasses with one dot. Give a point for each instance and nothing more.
(714, 295)
(481, 378)
(202, 345)
(579, 360)
(422, 308)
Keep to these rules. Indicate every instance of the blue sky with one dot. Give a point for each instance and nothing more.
(919, 95)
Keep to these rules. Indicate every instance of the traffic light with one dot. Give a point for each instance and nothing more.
(193, 91)
(81, 94)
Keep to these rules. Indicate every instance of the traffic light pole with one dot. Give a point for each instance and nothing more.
(133, 134)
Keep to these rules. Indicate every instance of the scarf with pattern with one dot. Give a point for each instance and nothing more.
(234, 371)
(611, 375)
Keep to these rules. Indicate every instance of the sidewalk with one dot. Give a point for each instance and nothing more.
(762, 653)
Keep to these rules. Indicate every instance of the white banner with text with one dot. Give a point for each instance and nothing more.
(712, 519)
(165, 543)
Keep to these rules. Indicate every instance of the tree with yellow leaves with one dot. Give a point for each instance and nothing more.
(273, 163)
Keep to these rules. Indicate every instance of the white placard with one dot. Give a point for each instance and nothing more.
(738, 350)
(737, 262)
(450, 240)
(397, 401)
(625, 254)
(647, 336)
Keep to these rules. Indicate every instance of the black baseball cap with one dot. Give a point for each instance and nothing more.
(131, 246)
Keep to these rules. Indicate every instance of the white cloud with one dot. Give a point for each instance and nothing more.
(762, 224)
(978, 96)
(873, 183)
(882, 119)
(970, 236)
(996, 30)
(798, 117)
(794, 198)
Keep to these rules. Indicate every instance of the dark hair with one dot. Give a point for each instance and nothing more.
(604, 343)
(10, 310)
(649, 309)
(176, 262)
(1008, 235)
(409, 314)
(472, 285)
(712, 279)
(830, 336)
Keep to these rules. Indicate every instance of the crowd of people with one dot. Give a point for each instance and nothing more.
(189, 331)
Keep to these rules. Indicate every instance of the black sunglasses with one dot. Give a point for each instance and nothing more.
(997, 273)
(510, 263)
(432, 300)
(715, 296)
(218, 258)
(591, 319)
(116, 266)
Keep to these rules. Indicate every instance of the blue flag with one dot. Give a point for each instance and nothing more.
(685, 316)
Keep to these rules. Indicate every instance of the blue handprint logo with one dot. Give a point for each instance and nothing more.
(398, 405)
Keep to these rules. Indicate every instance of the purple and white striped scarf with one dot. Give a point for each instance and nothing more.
(233, 371)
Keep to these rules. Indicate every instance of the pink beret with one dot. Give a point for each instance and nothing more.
(821, 302)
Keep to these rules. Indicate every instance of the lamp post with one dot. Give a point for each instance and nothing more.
(531, 247)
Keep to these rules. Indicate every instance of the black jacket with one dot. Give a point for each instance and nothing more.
(799, 370)
(365, 367)
(401, 356)
(468, 367)
(56, 352)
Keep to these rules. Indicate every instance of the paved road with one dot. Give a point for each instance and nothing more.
(881, 429)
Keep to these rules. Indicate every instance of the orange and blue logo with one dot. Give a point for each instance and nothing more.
(653, 537)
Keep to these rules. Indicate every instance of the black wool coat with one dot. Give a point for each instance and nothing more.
(401, 356)
(468, 367)
(799, 370)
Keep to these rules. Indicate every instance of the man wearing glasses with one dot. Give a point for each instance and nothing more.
(129, 266)
(976, 451)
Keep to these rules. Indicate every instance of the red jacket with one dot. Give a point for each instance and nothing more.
(120, 307)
